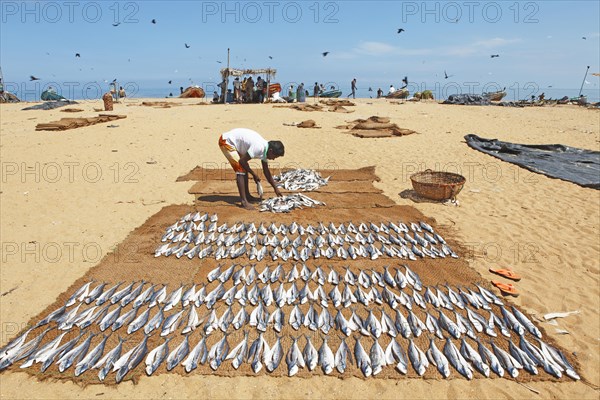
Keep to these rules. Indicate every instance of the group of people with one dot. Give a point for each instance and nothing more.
(244, 91)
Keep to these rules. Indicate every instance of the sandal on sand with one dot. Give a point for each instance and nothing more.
(507, 273)
(506, 288)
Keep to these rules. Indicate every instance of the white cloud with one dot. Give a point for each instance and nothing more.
(374, 48)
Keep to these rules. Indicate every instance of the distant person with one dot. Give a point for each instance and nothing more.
(379, 93)
(300, 93)
(392, 89)
(332, 87)
(237, 90)
(353, 88)
(321, 88)
(259, 89)
(223, 87)
(215, 97)
(291, 94)
(122, 92)
(180, 89)
(250, 90)
(316, 91)
(239, 146)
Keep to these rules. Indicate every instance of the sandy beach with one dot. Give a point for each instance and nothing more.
(68, 198)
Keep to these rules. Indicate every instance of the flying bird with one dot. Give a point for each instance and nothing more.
(154, 21)
(446, 76)
(77, 55)
(187, 46)
(170, 82)
(495, 55)
(270, 57)
(400, 30)
(325, 53)
(219, 62)
(584, 38)
(116, 24)
(33, 78)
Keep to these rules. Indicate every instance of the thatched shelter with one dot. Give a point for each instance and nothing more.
(267, 72)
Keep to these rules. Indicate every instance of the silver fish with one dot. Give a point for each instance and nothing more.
(437, 358)
(274, 356)
(79, 295)
(294, 359)
(157, 356)
(199, 354)
(155, 322)
(457, 360)
(94, 293)
(509, 363)
(91, 358)
(137, 355)
(377, 357)
(59, 352)
(342, 356)
(192, 322)
(395, 354)
(107, 362)
(171, 324)
(528, 364)
(178, 354)
(239, 352)
(158, 297)
(218, 352)
(512, 321)
(363, 362)
(526, 323)
(74, 355)
(417, 358)
(490, 358)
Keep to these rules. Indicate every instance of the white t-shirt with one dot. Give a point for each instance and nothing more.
(247, 141)
(392, 90)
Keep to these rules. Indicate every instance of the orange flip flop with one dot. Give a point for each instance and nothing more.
(507, 273)
(506, 288)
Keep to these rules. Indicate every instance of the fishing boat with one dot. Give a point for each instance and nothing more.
(398, 94)
(495, 96)
(331, 94)
(192, 92)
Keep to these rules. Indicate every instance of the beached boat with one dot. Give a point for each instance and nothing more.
(398, 94)
(193, 92)
(331, 94)
(274, 88)
(495, 96)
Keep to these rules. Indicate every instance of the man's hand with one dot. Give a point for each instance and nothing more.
(256, 178)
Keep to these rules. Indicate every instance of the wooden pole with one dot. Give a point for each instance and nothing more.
(582, 83)
(226, 79)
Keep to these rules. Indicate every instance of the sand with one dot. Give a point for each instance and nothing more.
(62, 217)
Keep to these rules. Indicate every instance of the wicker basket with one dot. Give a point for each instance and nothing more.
(437, 185)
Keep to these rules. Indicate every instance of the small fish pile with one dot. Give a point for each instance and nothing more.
(301, 179)
(200, 235)
(288, 203)
(454, 328)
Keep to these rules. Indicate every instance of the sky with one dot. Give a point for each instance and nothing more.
(540, 44)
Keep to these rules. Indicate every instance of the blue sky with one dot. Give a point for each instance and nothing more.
(539, 43)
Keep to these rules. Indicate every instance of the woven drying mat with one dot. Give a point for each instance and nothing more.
(331, 200)
(230, 187)
(133, 260)
(226, 173)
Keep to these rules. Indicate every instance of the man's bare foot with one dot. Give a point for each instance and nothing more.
(247, 206)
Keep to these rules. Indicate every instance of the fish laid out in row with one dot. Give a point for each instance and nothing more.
(203, 238)
(300, 179)
(465, 359)
(288, 203)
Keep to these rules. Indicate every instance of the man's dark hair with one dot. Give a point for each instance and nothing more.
(277, 148)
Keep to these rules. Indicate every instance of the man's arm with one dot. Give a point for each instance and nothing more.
(244, 163)
(267, 172)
